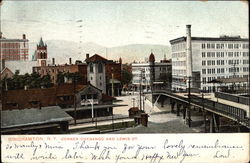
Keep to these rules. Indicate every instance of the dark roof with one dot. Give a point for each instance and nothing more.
(180, 39)
(27, 117)
(107, 98)
(96, 58)
(68, 89)
(151, 57)
(46, 96)
(41, 43)
(134, 109)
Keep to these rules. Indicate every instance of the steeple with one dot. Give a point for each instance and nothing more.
(41, 43)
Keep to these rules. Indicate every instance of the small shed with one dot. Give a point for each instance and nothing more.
(132, 112)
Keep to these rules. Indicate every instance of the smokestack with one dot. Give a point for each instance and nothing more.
(87, 56)
(24, 36)
(53, 61)
(189, 51)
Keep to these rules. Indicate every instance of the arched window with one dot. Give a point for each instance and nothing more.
(100, 68)
(91, 67)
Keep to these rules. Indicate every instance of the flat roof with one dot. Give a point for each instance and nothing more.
(34, 116)
(180, 39)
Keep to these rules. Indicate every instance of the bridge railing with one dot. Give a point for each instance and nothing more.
(236, 113)
(234, 98)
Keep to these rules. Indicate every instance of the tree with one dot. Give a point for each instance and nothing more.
(126, 77)
(60, 78)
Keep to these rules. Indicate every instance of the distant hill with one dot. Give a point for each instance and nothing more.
(62, 50)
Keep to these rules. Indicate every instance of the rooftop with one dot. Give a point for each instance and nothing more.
(27, 117)
(224, 38)
(96, 58)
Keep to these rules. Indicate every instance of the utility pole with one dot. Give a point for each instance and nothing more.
(113, 84)
(140, 90)
(189, 101)
(74, 85)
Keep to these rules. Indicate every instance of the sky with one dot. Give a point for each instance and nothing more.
(111, 23)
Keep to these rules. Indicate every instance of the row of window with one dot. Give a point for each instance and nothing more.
(178, 47)
(222, 70)
(179, 63)
(212, 54)
(212, 62)
(178, 55)
(100, 68)
(10, 45)
(212, 71)
(179, 71)
(222, 46)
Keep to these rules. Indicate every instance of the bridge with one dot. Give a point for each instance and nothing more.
(212, 108)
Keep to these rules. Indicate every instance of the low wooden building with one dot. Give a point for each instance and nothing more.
(47, 120)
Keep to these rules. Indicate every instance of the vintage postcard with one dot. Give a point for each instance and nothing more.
(124, 81)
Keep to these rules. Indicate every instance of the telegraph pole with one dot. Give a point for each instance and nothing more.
(74, 85)
(189, 101)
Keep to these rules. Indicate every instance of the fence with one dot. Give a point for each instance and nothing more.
(234, 98)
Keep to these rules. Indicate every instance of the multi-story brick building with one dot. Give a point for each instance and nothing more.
(53, 70)
(205, 59)
(14, 49)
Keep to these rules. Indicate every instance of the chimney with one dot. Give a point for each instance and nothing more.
(24, 36)
(189, 51)
(53, 61)
(87, 56)
(70, 61)
(2, 64)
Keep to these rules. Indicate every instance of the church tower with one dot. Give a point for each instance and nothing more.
(41, 53)
(96, 72)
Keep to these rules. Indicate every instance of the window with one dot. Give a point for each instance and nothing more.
(217, 46)
(203, 71)
(213, 62)
(208, 46)
(100, 68)
(236, 46)
(218, 62)
(91, 68)
(203, 63)
(204, 80)
(222, 62)
(222, 54)
(230, 46)
(212, 46)
(203, 46)
(83, 97)
(203, 54)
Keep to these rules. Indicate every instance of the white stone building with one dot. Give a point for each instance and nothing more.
(151, 73)
(210, 59)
